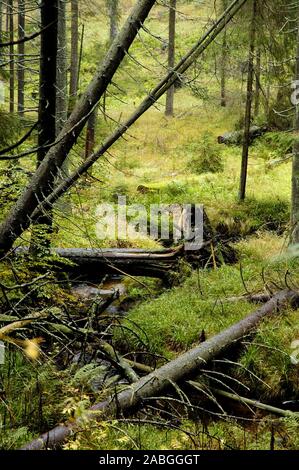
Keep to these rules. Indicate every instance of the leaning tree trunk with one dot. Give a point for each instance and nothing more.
(21, 53)
(47, 107)
(41, 184)
(249, 98)
(74, 53)
(171, 56)
(295, 169)
(224, 55)
(11, 57)
(157, 382)
(113, 14)
(90, 134)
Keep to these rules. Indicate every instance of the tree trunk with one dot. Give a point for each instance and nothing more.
(113, 6)
(268, 93)
(249, 98)
(224, 54)
(236, 137)
(295, 168)
(171, 56)
(61, 79)
(94, 264)
(61, 76)
(113, 13)
(47, 106)
(47, 86)
(257, 83)
(74, 53)
(90, 134)
(7, 17)
(11, 57)
(21, 53)
(184, 366)
(41, 184)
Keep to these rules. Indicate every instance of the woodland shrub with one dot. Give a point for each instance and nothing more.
(206, 157)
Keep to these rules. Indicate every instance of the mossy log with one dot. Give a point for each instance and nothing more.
(236, 138)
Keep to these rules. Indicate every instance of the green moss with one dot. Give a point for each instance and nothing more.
(268, 357)
(180, 314)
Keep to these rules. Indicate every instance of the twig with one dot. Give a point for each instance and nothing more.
(257, 404)
(122, 364)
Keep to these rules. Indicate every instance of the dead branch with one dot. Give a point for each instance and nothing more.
(117, 360)
(256, 404)
(254, 298)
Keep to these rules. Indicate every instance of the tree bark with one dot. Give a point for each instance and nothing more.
(11, 57)
(236, 137)
(61, 79)
(113, 6)
(224, 55)
(267, 99)
(90, 134)
(295, 168)
(7, 17)
(47, 86)
(171, 56)
(249, 98)
(113, 14)
(74, 53)
(61, 76)
(42, 182)
(257, 83)
(93, 264)
(47, 107)
(21, 52)
(186, 365)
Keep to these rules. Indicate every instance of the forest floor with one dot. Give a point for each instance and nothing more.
(160, 155)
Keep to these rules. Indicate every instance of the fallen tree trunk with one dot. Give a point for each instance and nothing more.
(92, 263)
(152, 385)
(236, 138)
